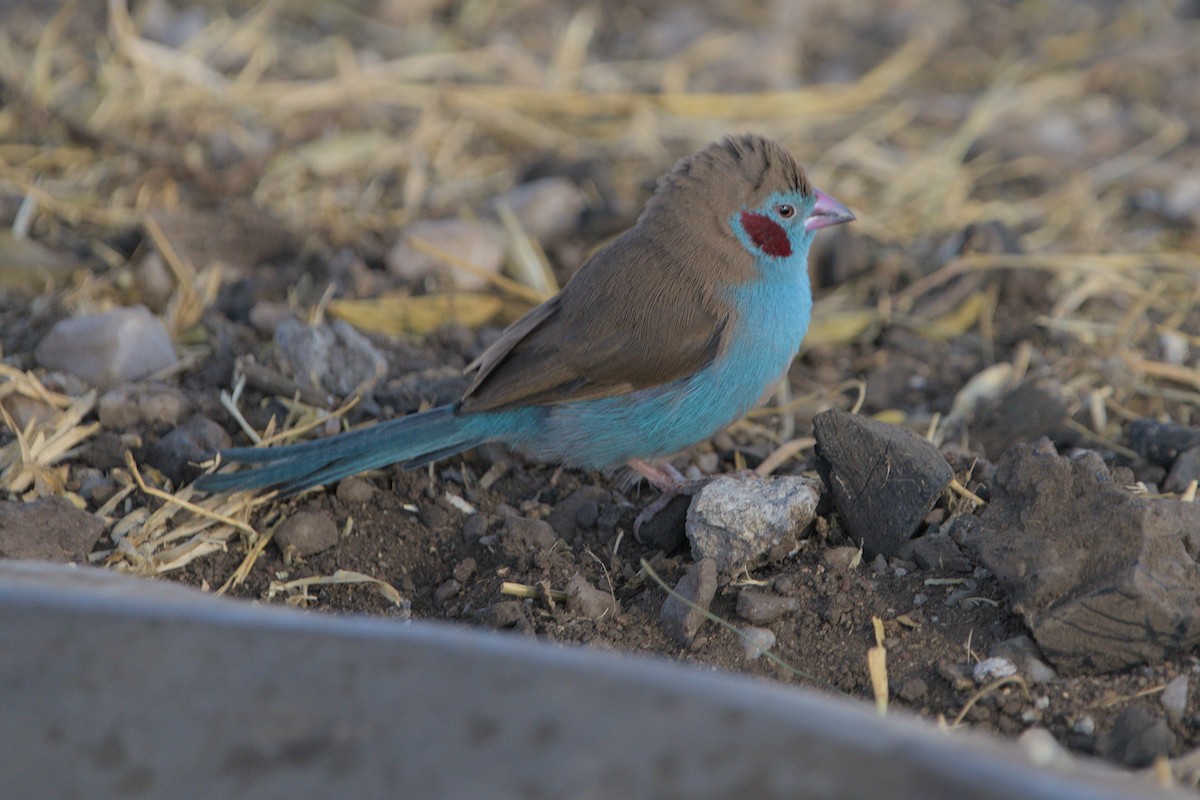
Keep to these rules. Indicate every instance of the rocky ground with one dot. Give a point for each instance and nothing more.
(986, 459)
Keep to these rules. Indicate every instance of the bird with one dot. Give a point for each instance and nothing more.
(663, 337)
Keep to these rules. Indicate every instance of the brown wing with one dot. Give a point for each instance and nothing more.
(633, 317)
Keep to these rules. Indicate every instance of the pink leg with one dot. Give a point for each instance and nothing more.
(670, 482)
(662, 476)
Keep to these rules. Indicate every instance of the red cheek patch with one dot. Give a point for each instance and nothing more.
(766, 234)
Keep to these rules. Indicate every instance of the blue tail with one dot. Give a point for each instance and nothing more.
(411, 441)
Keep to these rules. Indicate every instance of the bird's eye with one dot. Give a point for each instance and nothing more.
(786, 211)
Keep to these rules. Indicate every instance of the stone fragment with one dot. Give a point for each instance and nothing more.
(155, 404)
(679, 620)
(355, 490)
(762, 608)
(588, 601)
(1103, 578)
(1174, 698)
(332, 357)
(884, 478)
(480, 244)
(740, 522)
(843, 558)
(547, 208)
(1184, 470)
(108, 349)
(176, 454)
(448, 590)
(756, 641)
(305, 533)
(1136, 738)
(992, 669)
(578, 511)
(1161, 442)
(49, 529)
(912, 690)
(523, 535)
(937, 551)
(1022, 651)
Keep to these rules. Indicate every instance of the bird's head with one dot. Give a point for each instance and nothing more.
(752, 188)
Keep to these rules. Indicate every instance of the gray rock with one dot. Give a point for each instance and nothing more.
(740, 522)
(355, 490)
(1103, 578)
(681, 621)
(108, 349)
(478, 243)
(1136, 738)
(912, 690)
(762, 608)
(1022, 651)
(523, 535)
(884, 479)
(588, 601)
(305, 533)
(992, 669)
(156, 404)
(447, 591)
(1174, 698)
(548, 208)
(49, 529)
(176, 454)
(843, 559)
(756, 641)
(334, 357)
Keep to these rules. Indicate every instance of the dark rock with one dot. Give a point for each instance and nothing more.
(578, 511)
(667, 530)
(588, 601)
(505, 614)
(762, 608)
(475, 527)
(1161, 442)
(523, 535)
(1102, 577)
(49, 529)
(1136, 738)
(740, 522)
(938, 551)
(682, 621)
(1032, 410)
(305, 533)
(884, 478)
(1184, 470)
(177, 454)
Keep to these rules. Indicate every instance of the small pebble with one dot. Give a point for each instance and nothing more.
(756, 641)
(49, 529)
(1174, 698)
(177, 453)
(474, 527)
(992, 669)
(762, 608)
(108, 349)
(1085, 725)
(912, 690)
(681, 621)
(841, 559)
(156, 404)
(465, 570)
(305, 533)
(355, 490)
(448, 590)
(548, 208)
(480, 244)
(522, 535)
(588, 601)
(334, 357)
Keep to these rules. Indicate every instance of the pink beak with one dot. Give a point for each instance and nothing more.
(827, 212)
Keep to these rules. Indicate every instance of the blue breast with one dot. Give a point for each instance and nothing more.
(772, 316)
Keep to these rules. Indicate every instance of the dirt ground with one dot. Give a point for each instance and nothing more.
(1025, 178)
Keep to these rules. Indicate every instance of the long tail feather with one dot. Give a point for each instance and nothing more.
(413, 441)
